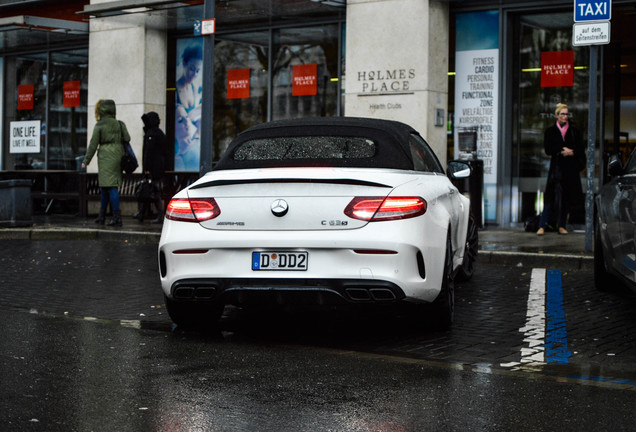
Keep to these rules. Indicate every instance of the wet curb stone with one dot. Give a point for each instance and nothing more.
(530, 260)
(78, 234)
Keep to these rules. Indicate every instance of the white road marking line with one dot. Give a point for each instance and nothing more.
(534, 330)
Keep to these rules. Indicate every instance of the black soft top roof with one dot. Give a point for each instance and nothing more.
(391, 137)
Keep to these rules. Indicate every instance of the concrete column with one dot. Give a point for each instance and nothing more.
(127, 63)
(397, 64)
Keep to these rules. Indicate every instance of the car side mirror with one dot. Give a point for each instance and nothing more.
(615, 166)
(458, 170)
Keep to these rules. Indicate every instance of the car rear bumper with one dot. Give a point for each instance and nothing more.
(268, 292)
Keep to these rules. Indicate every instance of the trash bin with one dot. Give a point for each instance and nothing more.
(15, 203)
(473, 187)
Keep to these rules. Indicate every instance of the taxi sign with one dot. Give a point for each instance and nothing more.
(592, 10)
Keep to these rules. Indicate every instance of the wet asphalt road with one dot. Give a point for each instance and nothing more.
(75, 375)
(87, 345)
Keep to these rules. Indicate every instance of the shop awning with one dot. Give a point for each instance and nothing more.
(22, 22)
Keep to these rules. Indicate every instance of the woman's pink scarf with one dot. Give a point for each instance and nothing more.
(563, 129)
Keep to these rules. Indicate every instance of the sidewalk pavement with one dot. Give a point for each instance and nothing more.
(503, 246)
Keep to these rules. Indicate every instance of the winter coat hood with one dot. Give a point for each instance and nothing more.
(150, 119)
(107, 108)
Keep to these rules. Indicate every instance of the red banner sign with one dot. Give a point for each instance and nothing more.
(557, 69)
(238, 83)
(25, 97)
(71, 96)
(305, 80)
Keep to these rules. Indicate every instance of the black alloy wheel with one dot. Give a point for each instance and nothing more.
(444, 304)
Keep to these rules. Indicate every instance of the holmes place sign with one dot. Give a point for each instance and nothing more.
(379, 82)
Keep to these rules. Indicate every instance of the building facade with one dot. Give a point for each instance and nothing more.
(479, 79)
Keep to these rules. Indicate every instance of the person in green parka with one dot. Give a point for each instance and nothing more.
(106, 141)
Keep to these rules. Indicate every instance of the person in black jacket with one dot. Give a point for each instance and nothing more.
(153, 164)
(563, 143)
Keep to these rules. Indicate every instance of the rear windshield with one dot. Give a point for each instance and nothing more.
(315, 148)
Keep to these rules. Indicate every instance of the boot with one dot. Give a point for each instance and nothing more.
(116, 220)
(158, 219)
(101, 218)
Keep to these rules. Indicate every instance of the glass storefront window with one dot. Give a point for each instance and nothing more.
(68, 93)
(299, 77)
(26, 79)
(51, 90)
(542, 37)
(240, 85)
(305, 72)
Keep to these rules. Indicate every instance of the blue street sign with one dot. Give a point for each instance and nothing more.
(592, 10)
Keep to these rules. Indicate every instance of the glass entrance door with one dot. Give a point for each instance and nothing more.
(547, 70)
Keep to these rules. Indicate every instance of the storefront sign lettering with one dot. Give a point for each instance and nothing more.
(557, 69)
(238, 83)
(305, 79)
(385, 106)
(25, 97)
(25, 137)
(71, 96)
(476, 103)
(386, 81)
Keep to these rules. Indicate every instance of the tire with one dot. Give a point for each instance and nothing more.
(603, 280)
(194, 315)
(444, 304)
(466, 270)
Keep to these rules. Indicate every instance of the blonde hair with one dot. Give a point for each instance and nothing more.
(97, 105)
(560, 107)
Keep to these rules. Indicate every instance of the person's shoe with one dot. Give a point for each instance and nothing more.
(116, 221)
(101, 218)
(563, 231)
(157, 220)
(540, 232)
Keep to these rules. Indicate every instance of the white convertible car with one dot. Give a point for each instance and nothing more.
(328, 212)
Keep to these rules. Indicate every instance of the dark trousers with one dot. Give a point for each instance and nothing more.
(562, 216)
(109, 194)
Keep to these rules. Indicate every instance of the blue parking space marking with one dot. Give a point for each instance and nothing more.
(545, 331)
(556, 347)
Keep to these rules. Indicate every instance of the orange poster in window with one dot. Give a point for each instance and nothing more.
(238, 83)
(557, 69)
(305, 80)
(71, 97)
(25, 97)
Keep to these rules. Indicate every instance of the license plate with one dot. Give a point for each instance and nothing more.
(280, 261)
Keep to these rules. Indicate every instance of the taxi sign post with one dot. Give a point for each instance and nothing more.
(591, 27)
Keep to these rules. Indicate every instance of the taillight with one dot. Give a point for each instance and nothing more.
(192, 210)
(381, 209)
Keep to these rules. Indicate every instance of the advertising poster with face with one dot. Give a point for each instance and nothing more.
(187, 150)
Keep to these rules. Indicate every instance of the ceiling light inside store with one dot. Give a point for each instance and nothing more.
(137, 10)
(336, 3)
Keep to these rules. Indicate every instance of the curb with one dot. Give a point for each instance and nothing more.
(531, 260)
(79, 234)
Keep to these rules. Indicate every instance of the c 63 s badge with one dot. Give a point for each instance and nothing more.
(334, 222)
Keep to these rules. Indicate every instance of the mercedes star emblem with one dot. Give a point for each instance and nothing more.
(279, 207)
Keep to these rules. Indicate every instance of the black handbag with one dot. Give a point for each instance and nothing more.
(145, 191)
(128, 161)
